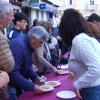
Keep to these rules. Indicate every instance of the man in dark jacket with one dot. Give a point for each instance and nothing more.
(20, 22)
(22, 48)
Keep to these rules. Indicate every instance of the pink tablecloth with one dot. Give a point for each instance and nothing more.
(66, 85)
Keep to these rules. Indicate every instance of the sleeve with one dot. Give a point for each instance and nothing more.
(85, 52)
(41, 59)
(21, 82)
(16, 77)
(32, 74)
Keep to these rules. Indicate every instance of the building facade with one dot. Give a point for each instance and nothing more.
(86, 7)
(34, 9)
(39, 9)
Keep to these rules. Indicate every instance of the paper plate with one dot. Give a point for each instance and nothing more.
(66, 94)
(46, 88)
(62, 72)
(63, 66)
(53, 83)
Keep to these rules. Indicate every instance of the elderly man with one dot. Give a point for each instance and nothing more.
(22, 48)
(6, 58)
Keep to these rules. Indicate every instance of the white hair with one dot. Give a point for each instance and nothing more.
(38, 32)
(5, 7)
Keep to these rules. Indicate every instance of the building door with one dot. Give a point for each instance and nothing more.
(50, 15)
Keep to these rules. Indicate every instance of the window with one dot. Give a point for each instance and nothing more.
(70, 2)
(91, 2)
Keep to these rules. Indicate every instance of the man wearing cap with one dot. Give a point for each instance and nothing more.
(22, 48)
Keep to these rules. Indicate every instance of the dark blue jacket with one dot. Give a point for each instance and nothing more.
(23, 71)
(15, 33)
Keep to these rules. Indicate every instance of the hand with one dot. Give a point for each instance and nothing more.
(55, 69)
(4, 95)
(38, 90)
(41, 80)
(4, 79)
(58, 72)
(78, 94)
(35, 68)
(71, 75)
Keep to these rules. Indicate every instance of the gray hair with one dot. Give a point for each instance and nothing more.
(38, 32)
(5, 7)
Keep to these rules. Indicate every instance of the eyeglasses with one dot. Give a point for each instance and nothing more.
(24, 21)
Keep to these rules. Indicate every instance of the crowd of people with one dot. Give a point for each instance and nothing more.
(25, 57)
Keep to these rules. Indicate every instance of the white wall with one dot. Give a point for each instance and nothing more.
(85, 7)
(33, 15)
(45, 16)
(4, 0)
(82, 5)
(40, 15)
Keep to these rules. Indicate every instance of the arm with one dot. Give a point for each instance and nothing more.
(41, 59)
(85, 53)
(32, 74)
(18, 80)
(16, 77)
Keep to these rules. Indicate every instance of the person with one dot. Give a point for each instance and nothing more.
(35, 21)
(6, 58)
(51, 44)
(20, 22)
(42, 54)
(95, 19)
(22, 48)
(94, 23)
(84, 61)
(95, 30)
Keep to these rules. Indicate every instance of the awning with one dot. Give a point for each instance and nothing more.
(35, 4)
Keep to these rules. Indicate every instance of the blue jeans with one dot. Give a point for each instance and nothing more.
(92, 93)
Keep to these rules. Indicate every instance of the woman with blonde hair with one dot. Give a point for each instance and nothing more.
(46, 24)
